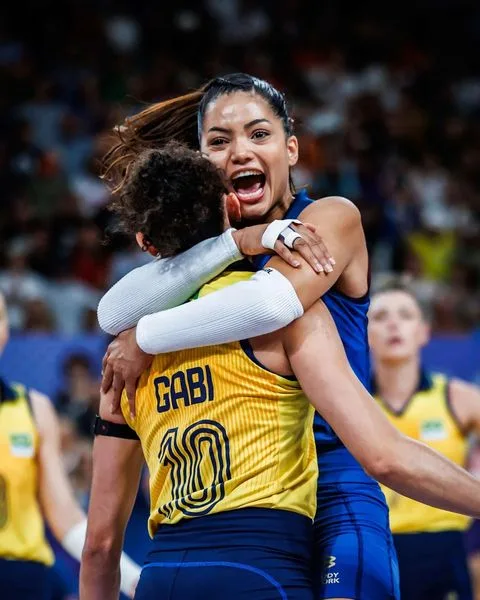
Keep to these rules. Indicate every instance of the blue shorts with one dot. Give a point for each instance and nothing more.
(472, 539)
(247, 554)
(25, 580)
(354, 555)
(433, 565)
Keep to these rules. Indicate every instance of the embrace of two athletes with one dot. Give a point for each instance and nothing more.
(245, 381)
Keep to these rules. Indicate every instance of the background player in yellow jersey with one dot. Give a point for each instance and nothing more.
(226, 433)
(34, 487)
(439, 412)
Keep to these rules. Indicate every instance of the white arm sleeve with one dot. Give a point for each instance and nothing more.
(73, 543)
(265, 303)
(164, 283)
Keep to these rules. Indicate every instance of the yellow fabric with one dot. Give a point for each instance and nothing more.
(428, 418)
(22, 535)
(219, 432)
(434, 253)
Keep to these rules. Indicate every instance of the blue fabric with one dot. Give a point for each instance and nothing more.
(433, 565)
(249, 553)
(25, 580)
(354, 555)
(336, 464)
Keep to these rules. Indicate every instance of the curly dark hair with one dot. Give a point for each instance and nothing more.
(173, 195)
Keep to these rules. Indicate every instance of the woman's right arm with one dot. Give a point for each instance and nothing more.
(411, 468)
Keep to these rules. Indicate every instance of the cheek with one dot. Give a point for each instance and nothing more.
(375, 335)
(218, 159)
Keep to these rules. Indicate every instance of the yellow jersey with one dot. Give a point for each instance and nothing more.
(220, 432)
(22, 535)
(427, 417)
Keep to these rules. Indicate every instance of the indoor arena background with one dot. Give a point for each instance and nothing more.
(386, 99)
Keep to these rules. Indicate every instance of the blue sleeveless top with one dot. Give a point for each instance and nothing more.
(336, 464)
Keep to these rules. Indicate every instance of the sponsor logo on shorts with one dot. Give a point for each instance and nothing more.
(330, 576)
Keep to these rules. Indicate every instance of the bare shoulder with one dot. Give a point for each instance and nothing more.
(462, 390)
(42, 406)
(340, 209)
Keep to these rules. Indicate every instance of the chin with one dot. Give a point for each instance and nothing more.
(254, 211)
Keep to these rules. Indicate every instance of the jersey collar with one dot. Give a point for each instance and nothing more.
(424, 385)
(425, 382)
(7, 393)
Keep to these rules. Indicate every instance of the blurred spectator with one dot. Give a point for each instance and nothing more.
(71, 301)
(80, 396)
(19, 284)
(388, 116)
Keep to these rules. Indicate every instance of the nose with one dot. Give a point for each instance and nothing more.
(240, 152)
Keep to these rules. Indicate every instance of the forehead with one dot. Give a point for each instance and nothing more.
(237, 109)
(394, 300)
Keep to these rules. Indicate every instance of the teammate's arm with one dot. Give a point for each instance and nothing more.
(409, 467)
(62, 512)
(117, 466)
(166, 283)
(56, 496)
(261, 305)
(465, 404)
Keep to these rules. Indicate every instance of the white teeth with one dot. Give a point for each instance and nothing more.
(246, 174)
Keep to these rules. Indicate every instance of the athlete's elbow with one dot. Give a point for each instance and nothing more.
(101, 548)
(380, 468)
(384, 466)
(106, 318)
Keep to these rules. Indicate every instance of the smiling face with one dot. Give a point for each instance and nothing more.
(397, 329)
(244, 137)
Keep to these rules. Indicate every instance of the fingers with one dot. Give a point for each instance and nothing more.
(313, 249)
(285, 253)
(117, 387)
(130, 389)
(107, 377)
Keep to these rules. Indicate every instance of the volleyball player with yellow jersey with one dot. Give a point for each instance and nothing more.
(439, 412)
(34, 487)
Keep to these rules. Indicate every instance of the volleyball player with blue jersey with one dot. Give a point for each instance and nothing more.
(245, 129)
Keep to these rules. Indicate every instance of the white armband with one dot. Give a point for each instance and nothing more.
(73, 543)
(265, 303)
(164, 283)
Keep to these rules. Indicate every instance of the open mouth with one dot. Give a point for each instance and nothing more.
(249, 186)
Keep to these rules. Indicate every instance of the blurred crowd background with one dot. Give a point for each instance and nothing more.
(386, 100)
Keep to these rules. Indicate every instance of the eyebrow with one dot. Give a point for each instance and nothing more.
(247, 126)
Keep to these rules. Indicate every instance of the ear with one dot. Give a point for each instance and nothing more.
(139, 239)
(145, 244)
(232, 208)
(292, 150)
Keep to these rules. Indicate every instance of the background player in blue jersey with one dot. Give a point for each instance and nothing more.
(243, 126)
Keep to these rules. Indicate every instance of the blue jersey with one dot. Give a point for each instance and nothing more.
(336, 464)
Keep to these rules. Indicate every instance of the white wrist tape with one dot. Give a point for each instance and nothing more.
(164, 283)
(73, 543)
(264, 303)
(276, 229)
(288, 236)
